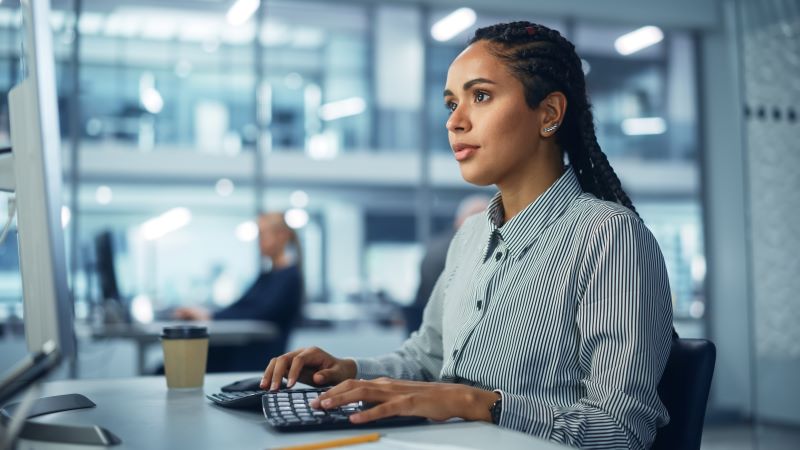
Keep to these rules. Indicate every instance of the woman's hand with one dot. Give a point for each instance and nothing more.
(308, 365)
(437, 401)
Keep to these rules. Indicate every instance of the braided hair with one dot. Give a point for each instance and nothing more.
(545, 62)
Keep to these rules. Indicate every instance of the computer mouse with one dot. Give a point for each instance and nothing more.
(247, 384)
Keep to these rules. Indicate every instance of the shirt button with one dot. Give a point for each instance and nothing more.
(498, 255)
(479, 304)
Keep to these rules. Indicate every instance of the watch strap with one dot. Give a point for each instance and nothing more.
(496, 409)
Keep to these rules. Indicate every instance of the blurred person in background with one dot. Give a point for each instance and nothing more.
(275, 296)
(433, 262)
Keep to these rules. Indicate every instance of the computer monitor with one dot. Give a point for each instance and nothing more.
(32, 171)
(36, 183)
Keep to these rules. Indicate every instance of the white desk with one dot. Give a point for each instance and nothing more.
(145, 415)
(221, 332)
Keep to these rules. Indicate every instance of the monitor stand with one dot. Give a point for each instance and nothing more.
(65, 434)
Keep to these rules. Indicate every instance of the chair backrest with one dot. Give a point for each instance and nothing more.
(684, 391)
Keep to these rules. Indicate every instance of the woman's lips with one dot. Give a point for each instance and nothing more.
(463, 152)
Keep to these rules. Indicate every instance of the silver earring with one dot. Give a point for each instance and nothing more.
(550, 128)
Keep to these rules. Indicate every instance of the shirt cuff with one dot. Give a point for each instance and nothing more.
(523, 414)
(368, 368)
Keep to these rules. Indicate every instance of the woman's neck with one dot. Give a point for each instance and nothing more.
(520, 191)
(281, 261)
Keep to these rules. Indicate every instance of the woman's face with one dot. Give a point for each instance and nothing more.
(492, 131)
(272, 237)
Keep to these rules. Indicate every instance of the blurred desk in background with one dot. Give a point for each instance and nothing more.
(221, 332)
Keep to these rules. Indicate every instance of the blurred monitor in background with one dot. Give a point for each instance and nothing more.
(114, 306)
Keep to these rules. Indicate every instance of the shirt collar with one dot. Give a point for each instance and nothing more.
(523, 229)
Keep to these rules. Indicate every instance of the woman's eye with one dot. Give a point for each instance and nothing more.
(481, 96)
(451, 106)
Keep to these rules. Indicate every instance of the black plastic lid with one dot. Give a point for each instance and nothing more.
(184, 332)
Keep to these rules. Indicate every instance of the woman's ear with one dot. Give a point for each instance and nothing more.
(554, 107)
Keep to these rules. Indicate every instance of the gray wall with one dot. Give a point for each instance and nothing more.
(770, 60)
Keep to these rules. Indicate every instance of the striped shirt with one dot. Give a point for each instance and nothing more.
(564, 310)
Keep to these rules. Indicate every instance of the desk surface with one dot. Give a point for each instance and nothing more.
(145, 415)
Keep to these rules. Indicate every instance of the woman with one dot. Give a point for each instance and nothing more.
(553, 313)
(275, 296)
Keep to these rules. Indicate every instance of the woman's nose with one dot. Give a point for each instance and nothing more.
(458, 120)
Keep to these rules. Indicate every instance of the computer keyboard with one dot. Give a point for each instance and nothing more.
(289, 410)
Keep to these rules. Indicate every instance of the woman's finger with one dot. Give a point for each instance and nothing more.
(279, 370)
(391, 408)
(361, 391)
(309, 358)
(267, 377)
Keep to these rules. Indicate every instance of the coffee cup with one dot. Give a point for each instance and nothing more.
(185, 353)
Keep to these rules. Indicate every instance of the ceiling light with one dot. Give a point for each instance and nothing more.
(148, 95)
(103, 195)
(296, 218)
(241, 11)
(66, 216)
(644, 126)
(638, 40)
(323, 146)
(342, 108)
(224, 187)
(452, 24)
(166, 223)
(247, 231)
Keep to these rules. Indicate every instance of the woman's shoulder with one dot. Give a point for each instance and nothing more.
(592, 210)
(607, 220)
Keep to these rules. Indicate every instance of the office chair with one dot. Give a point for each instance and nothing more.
(684, 391)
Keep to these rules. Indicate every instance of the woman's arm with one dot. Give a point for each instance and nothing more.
(421, 355)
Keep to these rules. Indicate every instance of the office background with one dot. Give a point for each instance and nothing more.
(332, 111)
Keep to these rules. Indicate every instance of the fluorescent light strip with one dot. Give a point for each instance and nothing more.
(343, 108)
(241, 11)
(166, 223)
(637, 40)
(644, 126)
(449, 26)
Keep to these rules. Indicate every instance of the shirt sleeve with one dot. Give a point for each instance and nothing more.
(624, 320)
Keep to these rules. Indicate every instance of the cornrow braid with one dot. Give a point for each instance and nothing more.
(545, 62)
